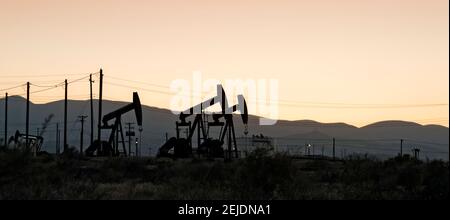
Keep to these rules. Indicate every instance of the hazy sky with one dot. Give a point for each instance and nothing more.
(351, 61)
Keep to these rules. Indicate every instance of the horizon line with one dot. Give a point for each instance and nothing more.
(288, 120)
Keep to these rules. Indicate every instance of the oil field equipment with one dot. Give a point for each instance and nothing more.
(116, 137)
(34, 142)
(182, 147)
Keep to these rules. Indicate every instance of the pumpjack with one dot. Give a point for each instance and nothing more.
(116, 137)
(34, 142)
(182, 146)
(206, 146)
(213, 147)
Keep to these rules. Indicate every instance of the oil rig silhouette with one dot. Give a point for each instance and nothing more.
(195, 123)
(207, 146)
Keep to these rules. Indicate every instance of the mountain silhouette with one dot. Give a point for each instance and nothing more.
(381, 138)
(392, 123)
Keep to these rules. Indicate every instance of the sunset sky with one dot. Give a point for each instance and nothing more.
(353, 61)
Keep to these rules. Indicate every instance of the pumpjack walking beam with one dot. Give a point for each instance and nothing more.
(183, 146)
(197, 110)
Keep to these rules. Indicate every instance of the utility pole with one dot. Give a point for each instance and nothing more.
(401, 147)
(27, 126)
(99, 134)
(334, 148)
(92, 110)
(57, 139)
(130, 133)
(6, 119)
(82, 117)
(65, 116)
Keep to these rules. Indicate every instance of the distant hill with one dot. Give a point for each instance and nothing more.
(392, 123)
(382, 138)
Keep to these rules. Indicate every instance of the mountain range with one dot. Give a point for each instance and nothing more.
(380, 138)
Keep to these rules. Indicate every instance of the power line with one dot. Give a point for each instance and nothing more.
(290, 103)
(287, 103)
(35, 81)
(313, 104)
(77, 80)
(48, 87)
(45, 75)
(14, 87)
(140, 88)
(51, 86)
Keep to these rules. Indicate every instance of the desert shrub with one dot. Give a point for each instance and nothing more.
(260, 176)
(436, 180)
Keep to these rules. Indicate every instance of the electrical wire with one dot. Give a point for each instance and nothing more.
(290, 103)
(45, 75)
(139, 88)
(287, 103)
(14, 87)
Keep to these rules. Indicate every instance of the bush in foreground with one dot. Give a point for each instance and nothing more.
(259, 176)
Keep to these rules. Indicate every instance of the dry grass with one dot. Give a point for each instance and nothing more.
(258, 177)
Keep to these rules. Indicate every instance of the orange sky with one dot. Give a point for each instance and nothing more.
(354, 53)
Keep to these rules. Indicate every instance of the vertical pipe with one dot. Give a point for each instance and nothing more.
(92, 110)
(27, 126)
(82, 117)
(65, 115)
(99, 134)
(57, 139)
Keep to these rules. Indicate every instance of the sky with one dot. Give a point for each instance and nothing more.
(353, 61)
